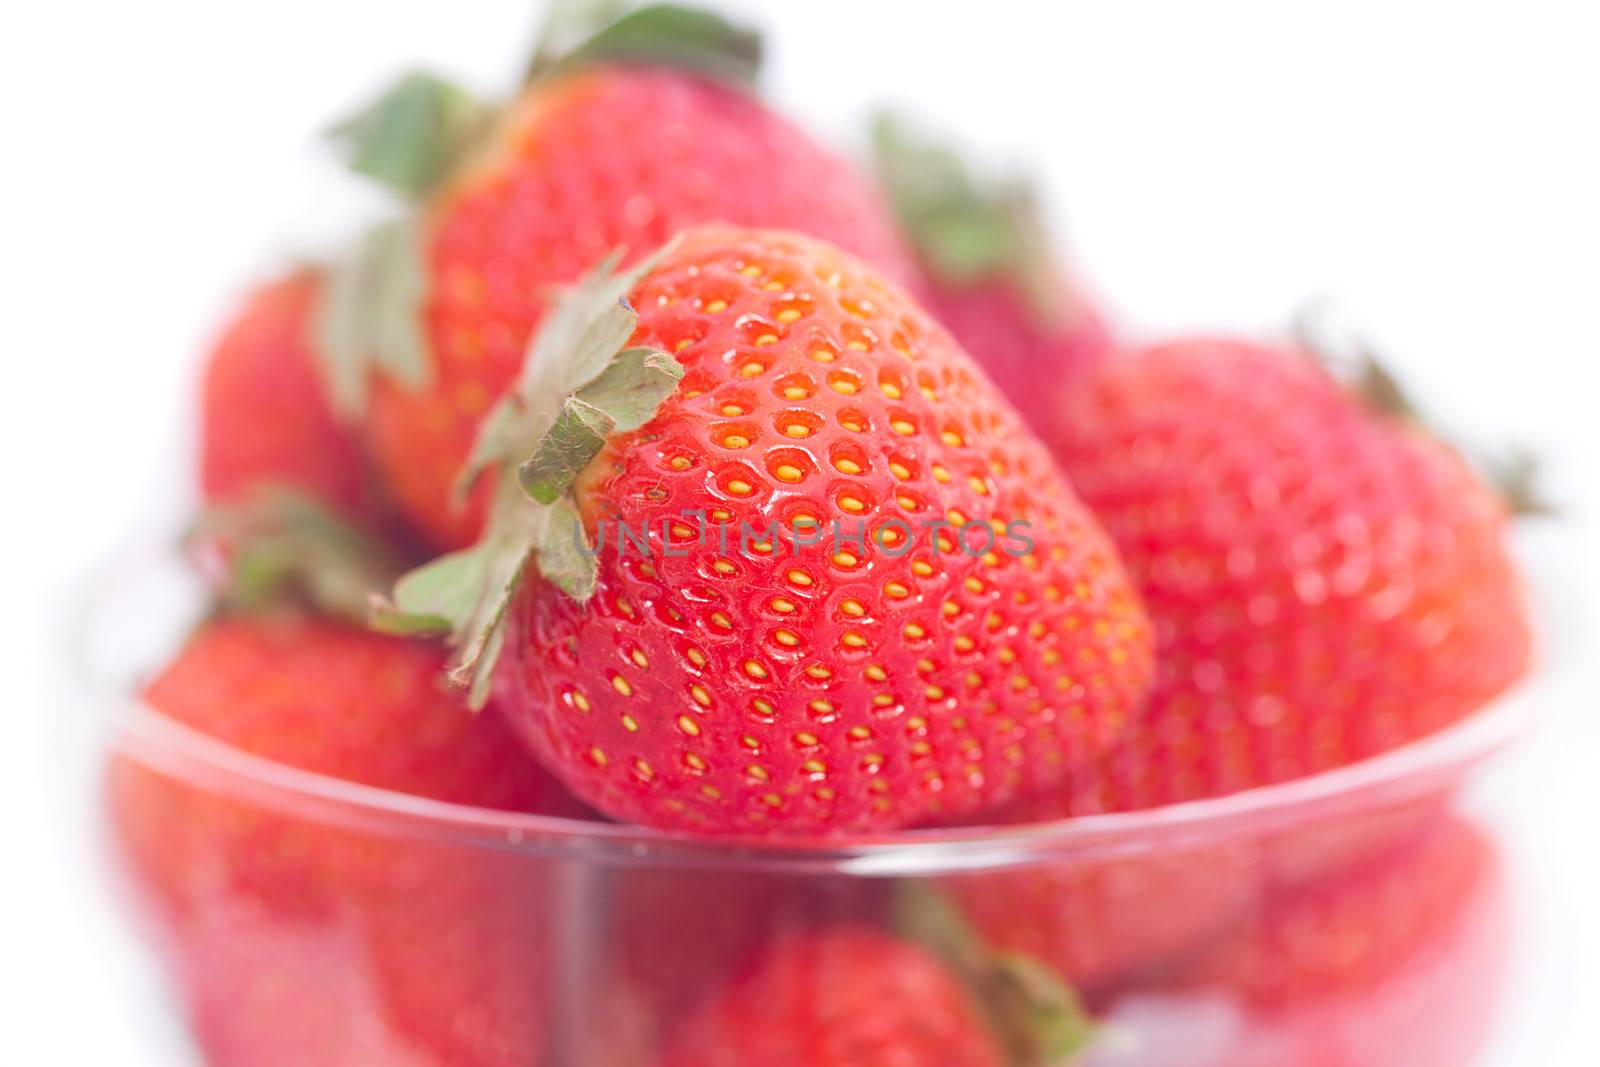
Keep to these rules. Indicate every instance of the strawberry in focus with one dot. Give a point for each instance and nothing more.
(592, 156)
(301, 941)
(990, 279)
(864, 593)
(1326, 580)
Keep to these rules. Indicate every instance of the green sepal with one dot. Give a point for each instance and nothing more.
(578, 385)
(966, 232)
(1040, 1020)
(369, 319)
(283, 545)
(414, 134)
(670, 35)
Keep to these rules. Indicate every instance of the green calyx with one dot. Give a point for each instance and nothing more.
(1039, 1019)
(580, 384)
(965, 232)
(369, 319)
(282, 546)
(581, 32)
(414, 134)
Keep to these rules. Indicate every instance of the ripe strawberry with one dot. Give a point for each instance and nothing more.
(299, 940)
(990, 279)
(592, 156)
(848, 997)
(265, 420)
(921, 658)
(1396, 962)
(1326, 580)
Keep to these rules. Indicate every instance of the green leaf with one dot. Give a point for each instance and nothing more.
(284, 545)
(576, 437)
(702, 42)
(578, 385)
(965, 231)
(370, 317)
(1039, 1019)
(414, 134)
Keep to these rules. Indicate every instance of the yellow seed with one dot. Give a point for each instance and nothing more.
(951, 438)
(857, 346)
(890, 390)
(762, 706)
(844, 385)
(631, 723)
(782, 605)
(876, 673)
(882, 700)
(711, 791)
(717, 306)
(900, 470)
(788, 472)
(896, 590)
(758, 772)
(950, 608)
(914, 631)
(800, 578)
(754, 669)
(822, 355)
(853, 607)
(681, 345)
(925, 666)
(694, 761)
(940, 474)
(852, 504)
(788, 314)
(620, 684)
(794, 392)
(785, 638)
(688, 726)
(767, 339)
(964, 643)
(722, 621)
(978, 485)
(859, 733)
(735, 440)
(973, 585)
(639, 658)
(797, 429)
(751, 369)
(821, 705)
(805, 739)
(851, 639)
(847, 466)
(902, 427)
(581, 701)
(812, 766)
(751, 269)
(598, 756)
(922, 569)
(739, 488)
(680, 463)
(844, 559)
(732, 411)
(696, 657)
(722, 566)
(906, 502)
(772, 800)
(642, 765)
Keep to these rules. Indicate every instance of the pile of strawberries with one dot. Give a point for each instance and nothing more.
(655, 464)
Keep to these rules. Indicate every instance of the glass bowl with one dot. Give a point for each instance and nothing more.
(1351, 919)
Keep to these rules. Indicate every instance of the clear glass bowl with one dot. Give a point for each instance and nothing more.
(1351, 919)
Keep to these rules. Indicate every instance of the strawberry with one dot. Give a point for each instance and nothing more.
(861, 593)
(265, 420)
(619, 146)
(847, 997)
(1393, 962)
(299, 940)
(990, 279)
(1327, 581)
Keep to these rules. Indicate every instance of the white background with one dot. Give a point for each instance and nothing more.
(1433, 165)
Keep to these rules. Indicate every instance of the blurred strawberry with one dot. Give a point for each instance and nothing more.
(639, 132)
(1327, 580)
(850, 997)
(1394, 963)
(762, 668)
(992, 280)
(310, 942)
(265, 420)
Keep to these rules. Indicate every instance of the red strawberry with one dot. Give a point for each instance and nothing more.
(265, 420)
(1326, 580)
(849, 997)
(806, 682)
(1394, 962)
(991, 279)
(592, 156)
(298, 940)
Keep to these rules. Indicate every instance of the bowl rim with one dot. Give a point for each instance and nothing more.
(1434, 764)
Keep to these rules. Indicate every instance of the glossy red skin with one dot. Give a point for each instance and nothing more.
(604, 159)
(1034, 357)
(1326, 582)
(299, 941)
(729, 691)
(850, 997)
(1397, 963)
(264, 418)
